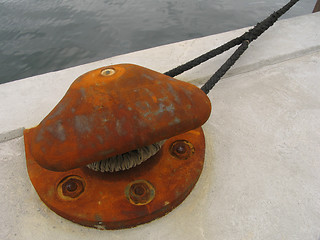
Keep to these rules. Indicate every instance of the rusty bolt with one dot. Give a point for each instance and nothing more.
(71, 187)
(181, 149)
(107, 72)
(140, 192)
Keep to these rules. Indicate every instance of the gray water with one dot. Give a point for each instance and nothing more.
(39, 36)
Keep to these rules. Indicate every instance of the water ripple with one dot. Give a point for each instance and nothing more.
(38, 36)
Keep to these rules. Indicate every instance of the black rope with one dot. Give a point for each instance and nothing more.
(244, 40)
(225, 67)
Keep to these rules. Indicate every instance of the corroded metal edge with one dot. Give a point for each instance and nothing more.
(134, 107)
(104, 205)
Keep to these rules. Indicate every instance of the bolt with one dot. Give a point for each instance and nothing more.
(70, 187)
(108, 72)
(181, 149)
(140, 192)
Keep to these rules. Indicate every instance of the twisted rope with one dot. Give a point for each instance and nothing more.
(136, 157)
(244, 40)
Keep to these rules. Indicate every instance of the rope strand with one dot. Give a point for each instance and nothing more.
(249, 36)
(225, 67)
(136, 157)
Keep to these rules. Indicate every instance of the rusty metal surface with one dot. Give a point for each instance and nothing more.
(123, 199)
(113, 110)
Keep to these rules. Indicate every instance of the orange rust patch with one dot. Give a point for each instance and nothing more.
(122, 199)
(113, 110)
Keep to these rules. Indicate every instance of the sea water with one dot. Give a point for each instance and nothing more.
(39, 36)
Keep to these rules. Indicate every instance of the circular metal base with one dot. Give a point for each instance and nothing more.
(127, 198)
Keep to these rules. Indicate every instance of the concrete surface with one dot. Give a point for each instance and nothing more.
(32, 99)
(261, 176)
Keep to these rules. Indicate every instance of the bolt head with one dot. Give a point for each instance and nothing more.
(181, 149)
(108, 72)
(71, 187)
(140, 192)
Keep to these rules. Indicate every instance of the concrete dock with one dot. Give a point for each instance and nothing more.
(261, 175)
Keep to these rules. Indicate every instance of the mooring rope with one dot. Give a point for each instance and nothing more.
(136, 157)
(244, 40)
(126, 160)
(225, 67)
